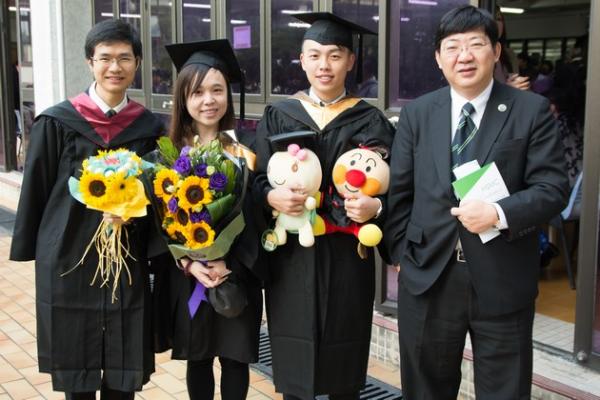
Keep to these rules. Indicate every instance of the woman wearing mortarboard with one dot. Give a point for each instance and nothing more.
(202, 112)
(319, 299)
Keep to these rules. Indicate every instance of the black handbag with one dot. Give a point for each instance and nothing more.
(229, 298)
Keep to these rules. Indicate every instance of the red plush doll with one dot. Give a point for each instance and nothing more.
(358, 170)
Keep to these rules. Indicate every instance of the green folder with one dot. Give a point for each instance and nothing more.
(466, 183)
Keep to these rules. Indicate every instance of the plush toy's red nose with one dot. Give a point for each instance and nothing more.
(356, 178)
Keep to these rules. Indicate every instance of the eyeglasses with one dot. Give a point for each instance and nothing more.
(124, 61)
(453, 49)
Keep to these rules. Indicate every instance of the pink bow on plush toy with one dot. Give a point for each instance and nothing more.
(297, 152)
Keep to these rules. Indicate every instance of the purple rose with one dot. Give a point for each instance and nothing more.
(200, 216)
(200, 170)
(182, 165)
(172, 205)
(185, 151)
(217, 182)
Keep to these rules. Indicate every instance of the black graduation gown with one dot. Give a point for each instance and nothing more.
(319, 299)
(210, 334)
(80, 332)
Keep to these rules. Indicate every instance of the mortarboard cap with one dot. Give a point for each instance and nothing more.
(327, 28)
(281, 141)
(216, 54)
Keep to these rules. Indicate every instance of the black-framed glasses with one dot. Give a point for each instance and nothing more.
(124, 61)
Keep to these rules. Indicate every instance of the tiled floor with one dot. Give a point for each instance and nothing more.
(19, 377)
(554, 323)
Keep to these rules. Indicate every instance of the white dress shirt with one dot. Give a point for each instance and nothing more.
(100, 103)
(323, 103)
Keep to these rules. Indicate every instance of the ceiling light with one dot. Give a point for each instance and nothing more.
(423, 2)
(298, 25)
(192, 5)
(512, 10)
(292, 12)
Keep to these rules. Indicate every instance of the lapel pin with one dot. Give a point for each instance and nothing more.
(502, 107)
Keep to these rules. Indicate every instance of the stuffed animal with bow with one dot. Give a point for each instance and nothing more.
(359, 170)
(296, 167)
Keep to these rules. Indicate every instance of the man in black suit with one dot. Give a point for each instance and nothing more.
(450, 282)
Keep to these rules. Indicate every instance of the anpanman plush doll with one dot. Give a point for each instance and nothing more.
(359, 170)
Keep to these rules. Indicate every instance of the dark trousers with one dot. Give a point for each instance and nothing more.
(105, 394)
(432, 328)
(235, 377)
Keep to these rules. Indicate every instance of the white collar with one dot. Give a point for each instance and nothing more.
(100, 103)
(478, 102)
(322, 103)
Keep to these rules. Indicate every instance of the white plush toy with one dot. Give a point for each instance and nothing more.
(295, 168)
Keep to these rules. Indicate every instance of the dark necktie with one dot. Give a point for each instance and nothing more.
(110, 113)
(465, 133)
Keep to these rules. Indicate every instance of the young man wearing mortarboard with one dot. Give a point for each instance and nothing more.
(319, 299)
(86, 341)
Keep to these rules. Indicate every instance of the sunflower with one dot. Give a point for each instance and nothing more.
(193, 192)
(178, 232)
(94, 189)
(182, 217)
(165, 183)
(200, 235)
(122, 189)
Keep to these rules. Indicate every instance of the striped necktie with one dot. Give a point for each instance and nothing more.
(465, 133)
(110, 113)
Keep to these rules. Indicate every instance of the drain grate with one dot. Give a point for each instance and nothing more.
(374, 389)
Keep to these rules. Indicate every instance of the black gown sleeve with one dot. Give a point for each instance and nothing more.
(261, 186)
(39, 177)
(242, 258)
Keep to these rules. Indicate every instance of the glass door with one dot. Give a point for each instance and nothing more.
(159, 66)
(587, 323)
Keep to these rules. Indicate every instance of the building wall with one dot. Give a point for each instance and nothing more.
(60, 70)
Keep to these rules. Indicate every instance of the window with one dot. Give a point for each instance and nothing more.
(553, 50)
(26, 61)
(130, 12)
(103, 10)
(412, 67)
(161, 33)
(366, 14)
(196, 20)
(243, 31)
(287, 76)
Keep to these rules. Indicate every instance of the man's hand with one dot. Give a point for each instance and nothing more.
(475, 215)
(360, 207)
(287, 201)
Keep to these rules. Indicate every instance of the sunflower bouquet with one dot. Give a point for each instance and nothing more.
(198, 194)
(109, 183)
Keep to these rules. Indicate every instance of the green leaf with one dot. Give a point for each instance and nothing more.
(219, 208)
(168, 151)
(229, 169)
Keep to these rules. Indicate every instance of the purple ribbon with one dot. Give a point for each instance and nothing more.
(197, 297)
